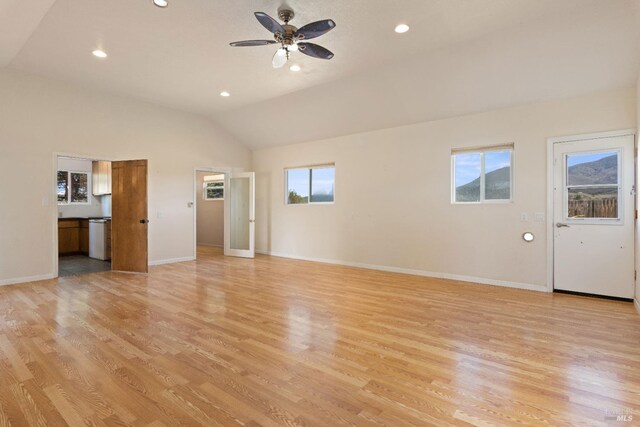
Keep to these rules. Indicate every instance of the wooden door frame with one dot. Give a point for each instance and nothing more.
(227, 171)
(54, 211)
(550, 183)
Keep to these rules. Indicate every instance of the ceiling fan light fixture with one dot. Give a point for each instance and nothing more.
(401, 28)
(293, 47)
(161, 3)
(295, 68)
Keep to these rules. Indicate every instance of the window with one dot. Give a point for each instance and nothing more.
(313, 184)
(592, 185)
(482, 176)
(73, 187)
(214, 187)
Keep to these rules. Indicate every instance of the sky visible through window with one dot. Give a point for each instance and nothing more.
(468, 165)
(298, 181)
(323, 180)
(577, 159)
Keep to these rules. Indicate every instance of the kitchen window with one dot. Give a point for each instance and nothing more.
(310, 185)
(73, 187)
(482, 175)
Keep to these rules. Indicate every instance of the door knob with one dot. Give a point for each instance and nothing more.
(560, 225)
(144, 221)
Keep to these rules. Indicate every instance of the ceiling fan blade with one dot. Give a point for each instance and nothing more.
(315, 51)
(280, 58)
(315, 29)
(269, 23)
(246, 43)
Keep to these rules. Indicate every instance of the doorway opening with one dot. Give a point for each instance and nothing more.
(89, 239)
(209, 210)
(592, 214)
(83, 197)
(217, 190)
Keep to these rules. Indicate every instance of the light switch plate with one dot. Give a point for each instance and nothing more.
(539, 217)
(524, 217)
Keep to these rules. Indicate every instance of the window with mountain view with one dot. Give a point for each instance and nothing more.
(592, 185)
(482, 175)
(310, 185)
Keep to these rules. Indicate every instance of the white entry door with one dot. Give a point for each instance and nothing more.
(594, 216)
(239, 215)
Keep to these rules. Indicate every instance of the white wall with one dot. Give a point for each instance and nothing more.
(209, 216)
(39, 117)
(393, 193)
(92, 209)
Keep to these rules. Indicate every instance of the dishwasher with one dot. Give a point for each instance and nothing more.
(98, 239)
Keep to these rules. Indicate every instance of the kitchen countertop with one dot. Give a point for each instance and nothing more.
(77, 218)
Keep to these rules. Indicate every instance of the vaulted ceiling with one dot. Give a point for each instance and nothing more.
(461, 56)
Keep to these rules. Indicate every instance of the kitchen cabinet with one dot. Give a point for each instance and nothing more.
(101, 178)
(84, 236)
(68, 237)
(108, 238)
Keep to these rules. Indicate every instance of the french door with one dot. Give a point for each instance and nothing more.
(239, 215)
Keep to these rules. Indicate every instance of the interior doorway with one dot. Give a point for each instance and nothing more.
(219, 189)
(593, 218)
(209, 211)
(101, 216)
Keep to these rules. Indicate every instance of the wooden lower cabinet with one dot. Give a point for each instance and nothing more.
(73, 236)
(68, 237)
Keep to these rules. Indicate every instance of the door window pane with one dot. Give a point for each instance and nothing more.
(240, 227)
(592, 169)
(63, 186)
(497, 175)
(322, 183)
(467, 177)
(592, 202)
(298, 186)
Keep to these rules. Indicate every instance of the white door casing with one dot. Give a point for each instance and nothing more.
(594, 216)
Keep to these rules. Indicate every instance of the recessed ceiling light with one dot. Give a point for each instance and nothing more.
(225, 94)
(295, 68)
(99, 53)
(161, 3)
(402, 28)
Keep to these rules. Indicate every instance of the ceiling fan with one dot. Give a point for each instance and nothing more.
(290, 38)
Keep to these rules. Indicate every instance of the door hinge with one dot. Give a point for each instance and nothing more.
(636, 213)
(635, 275)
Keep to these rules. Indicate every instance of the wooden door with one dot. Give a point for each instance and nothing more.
(129, 216)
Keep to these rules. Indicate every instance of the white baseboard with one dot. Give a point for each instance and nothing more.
(171, 260)
(210, 245)
(423, 273)
(637, 304)
(18, 280)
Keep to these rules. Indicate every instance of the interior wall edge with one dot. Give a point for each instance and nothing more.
(412, 272)
(171, 261)
(636, 303)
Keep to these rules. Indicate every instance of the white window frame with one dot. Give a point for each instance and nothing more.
(68, 201)
(566, 187)
(206, 198)
(310, 169)
(482, 151)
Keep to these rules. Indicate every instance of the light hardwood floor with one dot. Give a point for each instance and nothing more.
(271, 341)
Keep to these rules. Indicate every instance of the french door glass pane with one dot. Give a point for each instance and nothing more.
(592, 168)
(467, 177)
(592, 202)
(497, 175)
(322, 184)
(239, 202)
